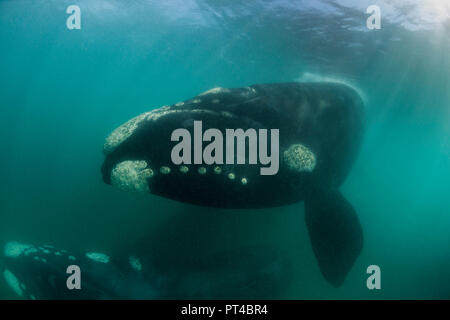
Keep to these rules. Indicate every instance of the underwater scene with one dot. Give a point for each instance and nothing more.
(228, 149)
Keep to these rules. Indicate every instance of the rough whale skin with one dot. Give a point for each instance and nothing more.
(320, 131)
(321, 127)
(39, 272)
(322, 120)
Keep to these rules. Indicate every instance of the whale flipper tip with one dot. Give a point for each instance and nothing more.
(335, 233)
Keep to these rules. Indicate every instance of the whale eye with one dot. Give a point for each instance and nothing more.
(299, 158)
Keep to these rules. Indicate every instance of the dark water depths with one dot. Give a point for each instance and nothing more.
(62, 92)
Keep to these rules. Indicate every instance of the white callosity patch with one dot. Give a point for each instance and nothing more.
(249, 93)
(13, 282)
(14, 249)
(131, 176)
(122, 133)
(244, 181)
(98, 257)
(227, 114)
(215, 91)
(135, 263)
(164, 170)
(37, 258)
(30, 251)
(202, 170)
(299, 158)
(184, 169)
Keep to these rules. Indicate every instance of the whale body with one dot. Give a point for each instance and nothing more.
(320, 128)
(45, 272)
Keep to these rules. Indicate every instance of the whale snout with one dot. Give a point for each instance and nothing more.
(22, 268)
(139, 150)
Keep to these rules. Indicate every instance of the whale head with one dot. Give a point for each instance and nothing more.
(35, 272)
(183, 151)
(44, 272)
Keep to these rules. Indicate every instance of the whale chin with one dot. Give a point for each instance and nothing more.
(45, 272)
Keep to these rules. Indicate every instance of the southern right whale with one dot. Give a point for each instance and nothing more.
(320, 132)
(40, 272)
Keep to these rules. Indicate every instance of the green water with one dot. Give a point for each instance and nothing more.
(63, 91)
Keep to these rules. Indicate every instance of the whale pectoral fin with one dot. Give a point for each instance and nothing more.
(335, 233)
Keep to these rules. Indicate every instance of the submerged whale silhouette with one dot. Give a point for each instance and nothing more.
(40, 272)
(320, 132)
